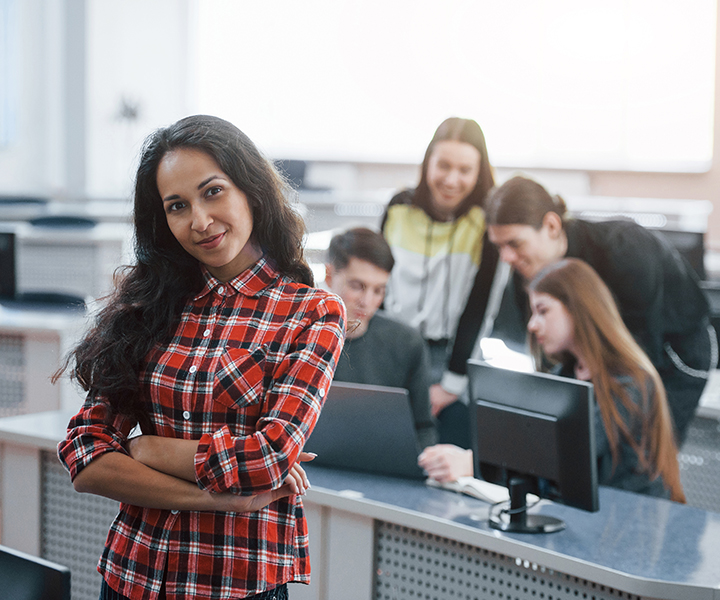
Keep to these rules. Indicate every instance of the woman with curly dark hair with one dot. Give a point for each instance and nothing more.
(218, 347)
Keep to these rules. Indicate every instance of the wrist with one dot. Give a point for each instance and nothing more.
(454, 383)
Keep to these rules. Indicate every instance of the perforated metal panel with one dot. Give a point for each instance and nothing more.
(413, 565)
(700, 464)
(73, 527)
(12, 375)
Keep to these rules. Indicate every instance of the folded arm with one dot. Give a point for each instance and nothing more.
(122, 478)
(96, 456)
(291, 406)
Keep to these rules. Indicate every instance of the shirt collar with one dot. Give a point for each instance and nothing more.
(251, 282)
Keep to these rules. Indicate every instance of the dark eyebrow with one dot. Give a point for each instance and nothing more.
(208, 180)
(200, 186)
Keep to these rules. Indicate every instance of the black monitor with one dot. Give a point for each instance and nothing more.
(26, 577)
(7, 266)
(12, 297)
(533, 433)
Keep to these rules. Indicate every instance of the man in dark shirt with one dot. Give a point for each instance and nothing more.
(378, 350)
(656, 291)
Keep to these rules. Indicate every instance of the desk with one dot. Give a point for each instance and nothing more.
(421, 542)
(383, 538)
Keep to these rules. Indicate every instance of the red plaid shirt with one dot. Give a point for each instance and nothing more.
(246, 374)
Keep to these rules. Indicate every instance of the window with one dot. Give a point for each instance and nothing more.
(598, 84)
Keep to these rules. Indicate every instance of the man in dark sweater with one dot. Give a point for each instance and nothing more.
(378, 350)
(657, 293)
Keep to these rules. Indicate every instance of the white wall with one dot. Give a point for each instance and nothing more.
(88, 56)
(32, 163)
(140, 53)
(554, 84)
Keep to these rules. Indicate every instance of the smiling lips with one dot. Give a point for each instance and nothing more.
(211, 242)
(449, 195)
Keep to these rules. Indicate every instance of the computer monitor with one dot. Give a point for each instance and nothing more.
(26, 577)
(7, 266)
(12, 297)
(533, 433)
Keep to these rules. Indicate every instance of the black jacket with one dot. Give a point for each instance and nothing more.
(657, 292)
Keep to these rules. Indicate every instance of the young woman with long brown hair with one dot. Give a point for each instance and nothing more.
(576, 331)
(576, 327)
(444, 263)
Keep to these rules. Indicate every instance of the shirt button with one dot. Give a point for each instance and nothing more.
(193, 369)
(322, 393)
(206, 333)
(186, 415)
(221, 289)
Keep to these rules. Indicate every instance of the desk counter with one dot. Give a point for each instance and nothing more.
(635, 545)
(385, 538)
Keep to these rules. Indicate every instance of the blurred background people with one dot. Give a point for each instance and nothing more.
(657, 292)
(576, 331)
(444, 263)
(378, 350)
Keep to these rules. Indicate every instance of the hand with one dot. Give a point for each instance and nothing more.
(445, 462)
(295, 483)
(439, 399)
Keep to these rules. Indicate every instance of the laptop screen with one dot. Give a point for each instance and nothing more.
(367, 428)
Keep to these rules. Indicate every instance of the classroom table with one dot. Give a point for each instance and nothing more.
(385, 538)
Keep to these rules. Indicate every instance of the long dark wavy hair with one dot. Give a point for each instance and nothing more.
(151, 294)
(459, 130)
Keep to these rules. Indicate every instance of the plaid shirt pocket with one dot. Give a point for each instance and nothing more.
(240, 378)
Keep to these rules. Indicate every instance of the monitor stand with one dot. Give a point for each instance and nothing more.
(519, 520)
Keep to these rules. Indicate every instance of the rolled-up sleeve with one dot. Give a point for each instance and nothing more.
(298, 385)
(90, 435)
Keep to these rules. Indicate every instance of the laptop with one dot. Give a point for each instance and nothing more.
(367, 428)
(26, 577)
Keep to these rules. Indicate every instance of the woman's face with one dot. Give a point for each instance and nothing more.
(206, 212)
(452, 172)
(551, 324)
